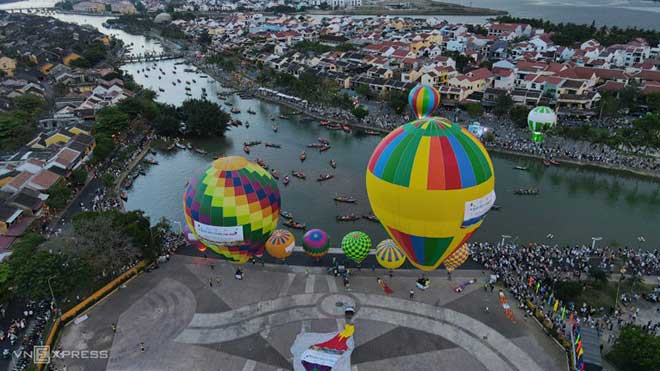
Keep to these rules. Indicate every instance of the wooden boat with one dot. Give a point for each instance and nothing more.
(179, 145)
(496, 207)
(173, 83)
(171, 146)
(247, 124)
(193, 80)
(151, 161)
(303, 156)
(324, 177)
(523, 168)
(347, 129)
(347, 218)
(323, 140)
(285, 181)
(371, 132)
(298, 174)
(324, 123)
(276, 174)
(333, 127)
(371, 217)
(228, 104)
(526, 192)
(250, 111)
(546, 163)
(294, 224)
(161, 89)
(187, 88)
(187, 82)
(189, 146)
(324, 148)
(152, 151)
(272, 145)
(555, 162)
(252, 143)
(315, 145)
(221, 97)
(200, 151)
(275, 128)
(203, 77)
(235, 110)
(286, 214)
(345, 199)
(333, 164)
(124, 196)
(246, 149)
(262, 163)
(179, 81)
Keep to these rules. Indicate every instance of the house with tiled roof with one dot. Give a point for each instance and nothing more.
(9, 216)
(18, 182)
(43, 180)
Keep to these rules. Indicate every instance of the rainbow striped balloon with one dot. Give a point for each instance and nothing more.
(389, 255)
(431, 183)
(423, 99)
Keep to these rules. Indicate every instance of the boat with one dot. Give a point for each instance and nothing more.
(236, 123)
(128, 183)
(221, 97)
(161, 89)
(275, 128)
(298, 174)
(250, 111)
(275, 173)
(246, 149)
(286, 214)
(187, 88)
(324, 123)
(303, 156)
(324, 148)
(371, 132)
(371, 217)
(141, 171)
(272, 145)
(252, 143)
(526, 192)
(523, 168)
(333, 164)
(171, 146)
(347, 218)
(262, 163)
(495, 207)
(546, 163)
(346, 128)
(203, 77)
(179, 145)
(151, 161)
(173, 83)
(235, 110)
(554, 162)
(179, 81)
(153, 151)
(324, 177)
(285, 180)
(188, 70)
(315, 145)
(189, 146)
(124, 196)
(194, 81)
(187, 82)
(323, 140)
(283, 117)
(247, 124)
(333, 127)
(228, 104)
(294, 224)
(158, 77)
(345, 199)
(188, 95)
(200, 151)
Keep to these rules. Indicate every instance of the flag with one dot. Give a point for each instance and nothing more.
(554, 307)
(531, 281)
(570, 319)
(563, 312)
(552, 295)
(538, 286)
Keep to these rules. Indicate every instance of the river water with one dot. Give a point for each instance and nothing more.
(574, 204)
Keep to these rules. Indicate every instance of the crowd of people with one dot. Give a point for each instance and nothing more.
(23, 331)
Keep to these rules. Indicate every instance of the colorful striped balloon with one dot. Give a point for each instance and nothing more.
(389, 255)
(431, 183)
(232, 207)
(280, 244)
(423, 99)
(316, 243)
(457, 259)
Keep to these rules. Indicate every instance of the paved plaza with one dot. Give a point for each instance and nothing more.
(191, 316)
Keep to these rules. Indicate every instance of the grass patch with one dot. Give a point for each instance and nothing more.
(605, 296)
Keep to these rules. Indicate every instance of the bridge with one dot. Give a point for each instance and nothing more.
(32, 10)
(149, 57)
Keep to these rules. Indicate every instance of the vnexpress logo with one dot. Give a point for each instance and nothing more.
(41, 354)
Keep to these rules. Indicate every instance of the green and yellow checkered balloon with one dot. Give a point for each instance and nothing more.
(356, 246)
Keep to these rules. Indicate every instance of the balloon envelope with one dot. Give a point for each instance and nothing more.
(280, 244)
(431, 184)
(316, 243)
(457, 259)
(389, 255)
(232, 207)
(540, 120)
(356, 246)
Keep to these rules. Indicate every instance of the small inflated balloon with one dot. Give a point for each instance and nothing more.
(430, 183)
(423, 99)
(280, 244)
(389, 255)
(457, 259)
(316, 243)
(540, 120)
(232, 207)
(356, 246)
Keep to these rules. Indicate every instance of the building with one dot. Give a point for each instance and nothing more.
(8, 66)
(89, 7)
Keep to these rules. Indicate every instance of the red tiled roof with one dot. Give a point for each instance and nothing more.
(45, 179)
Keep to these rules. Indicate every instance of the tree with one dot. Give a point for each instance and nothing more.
(653, 101)
(167, 122)
(503, 105)
(608, 106)
(67, 5)
(398, 101)
(16, 128)
(79, 176)
(568, 290)
(58, 196)
(363, 90)
(104, 147)
(635, 349)
(519, 116)
(111, 120)
(474, 109)
(204, 38)
(30, 103)
(108, 180)
(599, 276)
(360, 112)
(204, 118)
(629, 96)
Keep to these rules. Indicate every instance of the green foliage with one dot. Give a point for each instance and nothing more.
(66, 5)
(166, 122)
(398, 101)
(314, 88)
(599, 276)
(17, 126)
(58, 196)
(360, 112)
(363, 90)
(568, 290)
(111, 120)
(345, 47)
(204, 118)
(461, 60)
(104, 147)
(653, 102)
(503, 105)
(608, 106)
(519, 115)
(204, 38)
(79, 176)
(635, 349)
(226, 61)
(474, 109)
(310, 46)
(644, 133)
(108, 180)
(30, 103)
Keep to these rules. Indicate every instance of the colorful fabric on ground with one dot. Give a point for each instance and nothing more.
(232, 207)
(324, 356)
(280, 244)
(423, 100)
(316, 243)
(389, 255)
(356, 246)
(431, 184)
(457, 259)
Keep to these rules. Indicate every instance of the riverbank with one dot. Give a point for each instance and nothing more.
(411, 8)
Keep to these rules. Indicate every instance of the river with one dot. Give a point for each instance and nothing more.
(574, 204)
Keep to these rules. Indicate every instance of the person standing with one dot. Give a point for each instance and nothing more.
(142, 347)
(412, 294)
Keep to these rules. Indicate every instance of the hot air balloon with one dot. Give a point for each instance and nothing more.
(192, 240)
(280, 244)
(430, 183)
(457, 259)
(540, 120)
(232, 207)
(389, 255)
(356, 246)
(316, 243)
